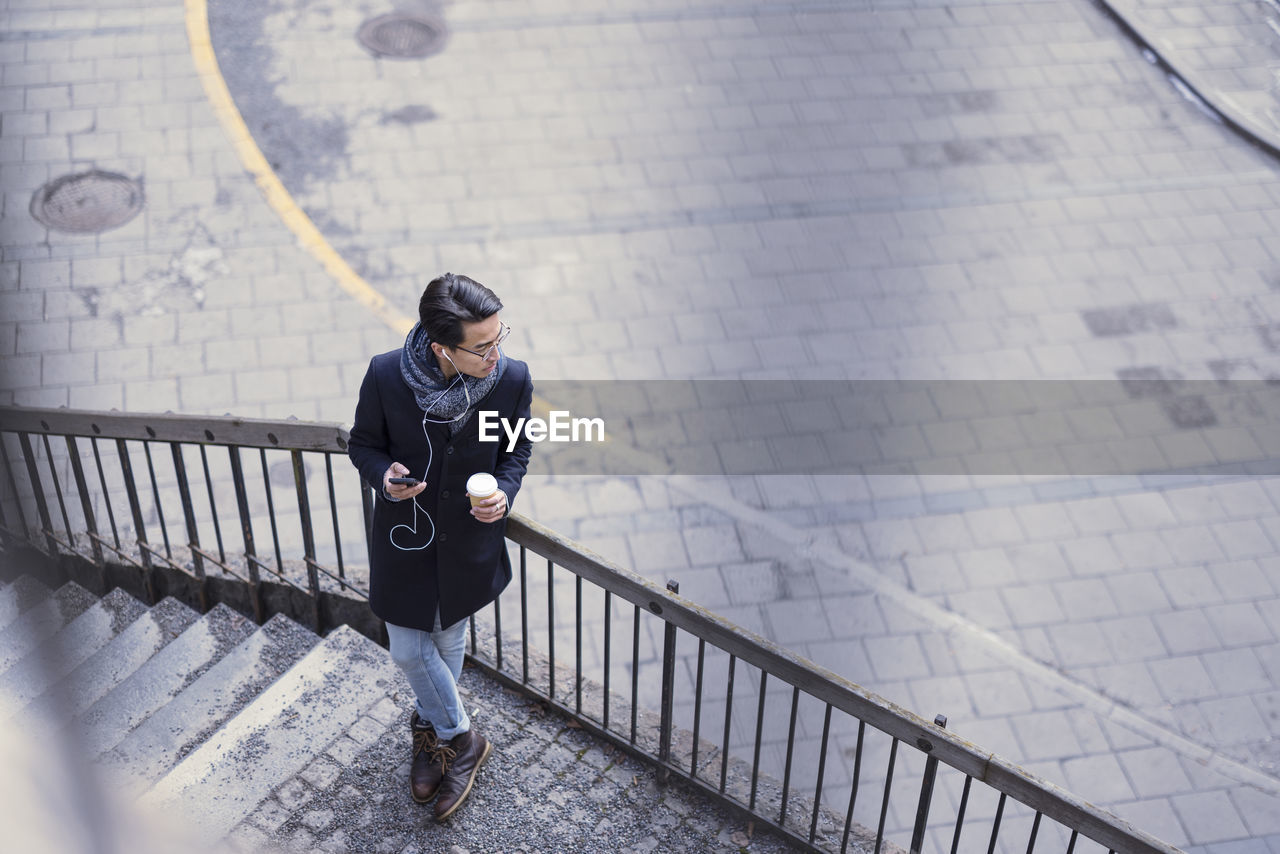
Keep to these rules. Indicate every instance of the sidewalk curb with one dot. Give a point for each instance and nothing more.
(1123, 13)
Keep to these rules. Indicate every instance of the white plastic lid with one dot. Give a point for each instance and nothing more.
(482, 484)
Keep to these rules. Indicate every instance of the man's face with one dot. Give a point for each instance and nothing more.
(478, 338)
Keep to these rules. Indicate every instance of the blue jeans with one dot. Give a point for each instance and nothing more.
(432, 662)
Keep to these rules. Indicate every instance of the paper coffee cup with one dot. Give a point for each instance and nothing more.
(480, 486)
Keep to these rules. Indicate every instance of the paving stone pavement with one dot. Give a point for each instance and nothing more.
(795, 190)
(1228, 52)
(203, 303)
(546, 787)
(1153, 662)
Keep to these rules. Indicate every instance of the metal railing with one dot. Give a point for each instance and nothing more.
(782, 741)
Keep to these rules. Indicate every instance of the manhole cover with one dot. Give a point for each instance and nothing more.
(401, 35)
(87, 202)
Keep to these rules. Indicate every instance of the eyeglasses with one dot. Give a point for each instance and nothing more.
(503, 332)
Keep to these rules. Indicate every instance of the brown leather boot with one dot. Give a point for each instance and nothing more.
(426, 771)
(462, 758)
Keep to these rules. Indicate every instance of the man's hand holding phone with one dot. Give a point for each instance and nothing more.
(398, 484)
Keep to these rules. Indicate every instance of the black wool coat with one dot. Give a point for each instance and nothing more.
(431, 551)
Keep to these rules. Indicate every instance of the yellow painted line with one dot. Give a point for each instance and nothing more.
(269, 183)
(273, 189)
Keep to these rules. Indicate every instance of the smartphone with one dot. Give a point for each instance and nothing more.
(405, 481)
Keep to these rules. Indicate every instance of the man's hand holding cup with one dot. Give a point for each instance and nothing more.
(488, 503)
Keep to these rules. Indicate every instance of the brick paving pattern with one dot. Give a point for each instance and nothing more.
(570, 794)
(795, 190)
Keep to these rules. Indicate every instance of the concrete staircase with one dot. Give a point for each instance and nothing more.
(202, 717)
(156, 729)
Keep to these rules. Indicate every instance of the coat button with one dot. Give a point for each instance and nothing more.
(444, 494)
(448, 450)
(444, 537)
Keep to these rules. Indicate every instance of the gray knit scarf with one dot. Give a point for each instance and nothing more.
(442, 399)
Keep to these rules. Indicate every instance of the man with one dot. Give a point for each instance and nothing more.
(434, 559)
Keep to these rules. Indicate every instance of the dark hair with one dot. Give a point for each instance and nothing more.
(450, 301)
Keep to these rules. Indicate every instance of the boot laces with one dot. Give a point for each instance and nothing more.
(444, 754)
(424, 740)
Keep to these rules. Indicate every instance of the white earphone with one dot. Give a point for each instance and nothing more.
(417, 508)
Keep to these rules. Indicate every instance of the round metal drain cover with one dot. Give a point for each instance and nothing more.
(401, 35)
(87, 202)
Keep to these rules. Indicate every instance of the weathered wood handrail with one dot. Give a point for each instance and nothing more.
(226, 430)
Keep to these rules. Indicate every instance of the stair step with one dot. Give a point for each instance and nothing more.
(379, 740)
(165, 738)
(278, 734)
(67, 649)
(17, 597)
(41, 621)
(161, 678)
(107, 667)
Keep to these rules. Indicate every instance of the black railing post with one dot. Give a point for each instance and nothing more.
(13, 485)
(155, 497)
(728, 724)
(608, 639)
(86, 506)
(995, 826)
(551, 630)
(308, 537)
(246, 530)
(926, 788)
(888, 790)
(135, 508)
(189, 516)
(213, 504)
(38, 493)
(964, 804)
(635, 669)
(577, 636)
(497, 633)
(668, 692)
(524, 617)
(791, 745)
(333, 513)
(271, 513)
(697, 709)
(57, 491)
(755, 755)
(822, 767)
(106, 492)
